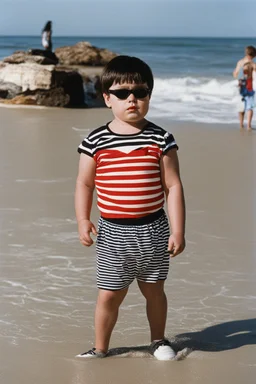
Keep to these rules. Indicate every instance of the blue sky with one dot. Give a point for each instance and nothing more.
(130, 17)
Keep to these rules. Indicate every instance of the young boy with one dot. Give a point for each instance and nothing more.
(246, 86)
(132, 163)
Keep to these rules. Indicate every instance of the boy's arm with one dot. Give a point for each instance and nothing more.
(84, 198)
(175, 201)
(239, 66)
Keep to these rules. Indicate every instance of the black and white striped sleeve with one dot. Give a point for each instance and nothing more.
(86, 147)
(170, 143)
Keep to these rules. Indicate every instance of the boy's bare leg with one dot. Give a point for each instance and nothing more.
(106, 314)
(249, 119)
(241, 119)
(156, 307)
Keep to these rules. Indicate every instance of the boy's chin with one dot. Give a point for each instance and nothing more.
(135, 120)
(135, 117)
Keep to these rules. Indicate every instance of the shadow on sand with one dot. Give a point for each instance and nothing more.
(219, 337)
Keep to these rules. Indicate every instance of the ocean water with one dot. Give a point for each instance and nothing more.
(193, 76)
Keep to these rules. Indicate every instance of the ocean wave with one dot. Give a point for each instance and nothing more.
(208, 100)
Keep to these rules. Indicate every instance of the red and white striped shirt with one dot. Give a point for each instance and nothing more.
(128, 180)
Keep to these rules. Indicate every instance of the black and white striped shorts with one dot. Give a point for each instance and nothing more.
(126, 252)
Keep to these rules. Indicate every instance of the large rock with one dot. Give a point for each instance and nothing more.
(83, 53)
(28, 76)
(72, 84)
(55, 97)
(44, 84)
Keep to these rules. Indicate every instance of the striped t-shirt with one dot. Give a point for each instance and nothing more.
(128, 180)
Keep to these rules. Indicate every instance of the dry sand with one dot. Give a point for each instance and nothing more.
(47, 285)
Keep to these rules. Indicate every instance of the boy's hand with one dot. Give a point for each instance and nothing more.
(176, 244)
(85, 227)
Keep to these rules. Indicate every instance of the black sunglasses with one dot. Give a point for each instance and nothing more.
(122, 94)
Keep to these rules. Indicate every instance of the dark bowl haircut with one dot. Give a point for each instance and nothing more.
(126, 69)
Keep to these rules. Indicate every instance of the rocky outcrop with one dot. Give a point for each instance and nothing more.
(28, 76)
(44, 83)
(63, 79)
(83, 53)
(32, 56)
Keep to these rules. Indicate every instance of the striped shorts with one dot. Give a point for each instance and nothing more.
(126, 252)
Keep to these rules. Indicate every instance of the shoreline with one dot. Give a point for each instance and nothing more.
(91, 110)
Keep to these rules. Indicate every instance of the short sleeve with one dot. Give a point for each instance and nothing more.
(86, 147)
(170, 143)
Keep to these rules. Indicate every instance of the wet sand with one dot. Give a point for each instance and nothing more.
(47, 288)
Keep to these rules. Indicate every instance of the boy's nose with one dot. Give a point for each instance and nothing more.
(131, 97)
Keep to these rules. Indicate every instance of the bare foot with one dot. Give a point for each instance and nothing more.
(249, 129)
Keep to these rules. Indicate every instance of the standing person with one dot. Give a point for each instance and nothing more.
(133, 164)
(47, 36)
(248, 67)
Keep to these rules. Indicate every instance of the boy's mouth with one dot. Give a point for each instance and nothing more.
(132, 109)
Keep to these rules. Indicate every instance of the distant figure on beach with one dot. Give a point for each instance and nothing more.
(47, 36)
(245, 85)
(134, 166)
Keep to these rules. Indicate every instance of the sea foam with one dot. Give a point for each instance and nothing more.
(206, 100)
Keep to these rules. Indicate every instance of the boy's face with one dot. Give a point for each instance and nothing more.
(132, 108)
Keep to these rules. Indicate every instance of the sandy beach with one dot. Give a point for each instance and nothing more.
(48, 284)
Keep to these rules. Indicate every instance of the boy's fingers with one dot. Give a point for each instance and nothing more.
(86, 242)
(177, 250)
(171, 248)
(94, 231)
(86, 239)
(171, 251)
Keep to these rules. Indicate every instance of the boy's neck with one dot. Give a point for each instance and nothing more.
(122, 127)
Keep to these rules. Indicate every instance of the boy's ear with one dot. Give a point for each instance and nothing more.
(106, 99)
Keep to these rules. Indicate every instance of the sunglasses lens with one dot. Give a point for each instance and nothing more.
(140, 93)
(122, 94)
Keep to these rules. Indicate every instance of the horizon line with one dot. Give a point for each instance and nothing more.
(140, 36)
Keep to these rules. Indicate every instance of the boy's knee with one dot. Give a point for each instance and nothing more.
(152, 290)
(111, 297)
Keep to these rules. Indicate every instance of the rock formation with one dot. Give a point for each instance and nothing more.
(67, 78)
(83, 53)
